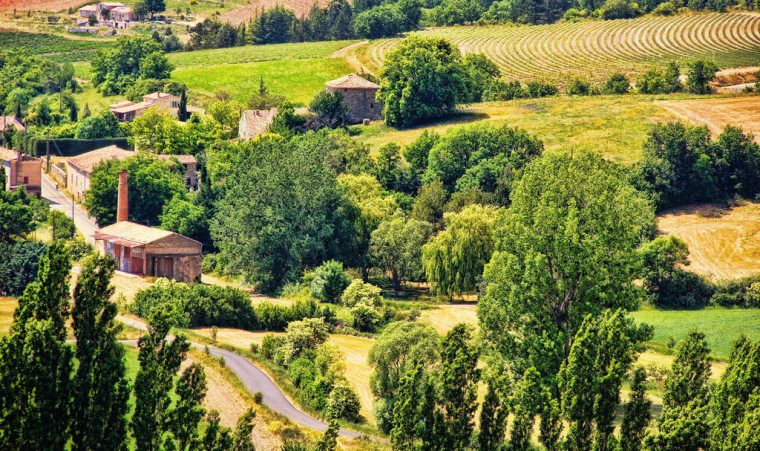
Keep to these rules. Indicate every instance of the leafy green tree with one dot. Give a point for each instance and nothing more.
(428, 206)
(617, 83)
(302, 336)
(36, 363)
(672, 78)
(330, 108)
(154, 131)
(186, 218)
(416, 153)
(381, 21)
(459, 383)
(495, 410)
(102, 125)
(19, 263)
(528, 400)
(63, 226)
(360, 292)
(241, 436)
(329, 281)
(481, 156)
(664, 279)
(570, 235)
(638, 413)
(282, 212)
(551, 424)
(329, 440)
(481, 74)
(152, 184)
(115, 68)
(407, 409)
(454, 259)
(422, 79)
(155, 66)
(16, 215)
(684, 423)
(101, 390)
(188, 411)
(160, 360)
(396, 248)
(154, 6)
(273, 25)
(343, 402)
(701, 73)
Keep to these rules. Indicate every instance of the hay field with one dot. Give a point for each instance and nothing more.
(717, 113)
(595, 49)
(254, 8)
(723, 248)
(7, 307)
(39, 5)
(445, 317)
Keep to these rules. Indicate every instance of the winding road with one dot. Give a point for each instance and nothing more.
(256, 380)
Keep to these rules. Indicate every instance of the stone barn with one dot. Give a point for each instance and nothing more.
(148, 251)
(360, 97)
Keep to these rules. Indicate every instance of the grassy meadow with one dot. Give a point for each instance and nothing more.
(614, 126)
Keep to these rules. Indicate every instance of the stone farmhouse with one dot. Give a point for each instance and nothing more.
(79, 168)
(359, 95)
(21, 170)
(148, 251)
(115, 15)
(127, 111)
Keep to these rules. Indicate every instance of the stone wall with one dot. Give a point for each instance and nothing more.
(363, 104)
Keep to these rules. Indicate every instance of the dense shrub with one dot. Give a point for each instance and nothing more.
(362, 292)
(343, 402)
(365, 317)
(269, 345)
(742, 292)
(655, 81)
(539, 89)
(18, 265)
(276, 317)
(329, 282)
(199, 305)
(579, 87)
(617, 84)
(500, 90)
(79, 248)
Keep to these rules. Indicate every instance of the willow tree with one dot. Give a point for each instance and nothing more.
(454, 259)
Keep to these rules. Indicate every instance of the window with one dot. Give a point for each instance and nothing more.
(175, 105)
(26, 180)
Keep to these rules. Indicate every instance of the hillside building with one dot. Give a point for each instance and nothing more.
(360, 97)
(148, 251)
(115, 15)
(126, 111)
(255, 122)
(79, 168)
(21, 170)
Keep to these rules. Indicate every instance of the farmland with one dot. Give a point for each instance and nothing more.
(723, 247)
(39, 5)
(594, 50)
(254, 7)
(613, 126)
(52, 47)
(717, 113)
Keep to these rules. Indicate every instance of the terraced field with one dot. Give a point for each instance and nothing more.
(595, 49)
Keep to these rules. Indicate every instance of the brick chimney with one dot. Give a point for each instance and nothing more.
(122, 209)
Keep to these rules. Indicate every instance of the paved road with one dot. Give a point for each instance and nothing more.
(256, 380)
(59, 201)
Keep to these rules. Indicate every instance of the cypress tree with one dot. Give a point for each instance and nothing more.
(191, 389)
(86, 111)
(637, 413)
(406, 410)
(459, 383)
(329, 440)
(493, 415)
(182, 111)
(527, 404)
(101, 390)
(73, 114)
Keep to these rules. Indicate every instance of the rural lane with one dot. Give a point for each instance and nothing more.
(59, 201)
(256, 380)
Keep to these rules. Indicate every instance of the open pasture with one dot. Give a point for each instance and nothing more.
(717, 113)
(723, 247)
(595, 49)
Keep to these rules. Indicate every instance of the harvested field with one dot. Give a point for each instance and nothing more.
(722, 247)
(717, 113)
(596, 49)
(251, 10)
(39, 5)
(445, 317)
(7, 307)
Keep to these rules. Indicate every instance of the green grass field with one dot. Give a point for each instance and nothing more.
(257, 53)
(52, 47)
(722, 326)
(298, 80)
(613, 126)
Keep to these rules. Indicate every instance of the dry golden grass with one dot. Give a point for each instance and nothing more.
(723, 247)
(665, 361)
(7, 307)
(445, 317)
(717, 113)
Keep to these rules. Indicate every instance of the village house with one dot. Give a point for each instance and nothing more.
(255, 122)
(148, 251)
(115, 15)
(11, 123)
(359, 95)
(21, 170)
(127, 111)
(79, 168)
(191, 168)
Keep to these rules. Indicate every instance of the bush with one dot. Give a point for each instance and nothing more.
(210, 263)
(538, 89)
(499, 90)
(617, 84)
(258, 397)
(18, 265)
(701, 73)
(361, 292)
(330, 280)
(199, 305)
(79, 248)
(665, 9)
(619, 9)
(574, 14)
(365, 317)
(742, 292)
(343, 402)
(269, 345)
(579, 87)
(254, 348)
(652, 82)
(276, 317)
(382, 410)
(302, 372)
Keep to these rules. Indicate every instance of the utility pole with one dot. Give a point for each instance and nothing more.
(48, 150)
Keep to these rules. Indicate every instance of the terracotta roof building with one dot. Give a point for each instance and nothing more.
(126, 111)
(11, 123)
(79, 168)
(21, 170)
(191, 168)
(360, 97)
(148, 251)
(255, 122)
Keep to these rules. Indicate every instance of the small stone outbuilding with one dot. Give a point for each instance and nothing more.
(359, 95)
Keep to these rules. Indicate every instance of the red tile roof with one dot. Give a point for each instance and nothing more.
(352, 81)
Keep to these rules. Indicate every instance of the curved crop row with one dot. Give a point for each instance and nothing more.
(593, 50)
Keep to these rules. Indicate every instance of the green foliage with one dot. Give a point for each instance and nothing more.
(19, 263)
(637, 413)
(701, 73)
(188, 412)
(102, 125)
(579, 87)
(329, 281)
(570, 235)
(406, 409)
(152, 184)
(482, 156)
(36, 363)
(416, 153)
(131, 58)
(528, 400)
(619, 9)
(454, 259)
(331, 109)
(422, 79)
(655, 81)
(329, 440)
(282, 212)
(197, 305)
(63, 226)
(16, 215)
(616, 83)
(365, 317)
(101, 390)
(360, 292)
(396, 248)
(429, 204)
(456, 12)
(273, 25)
(276, 317)
(381, 21)
(495, 411)
(343, 402)
(302, 336)
(186, 218)
(459, 379)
